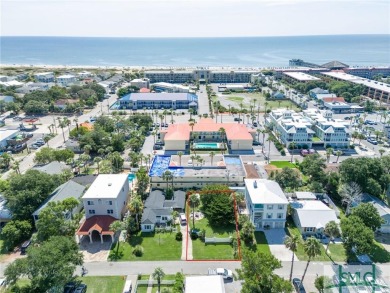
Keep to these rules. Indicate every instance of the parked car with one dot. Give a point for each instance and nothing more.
(34, 147)
(226, 274)
(159, 142)
(335, 152)
(69, 287)
(255, 124)
(82, 288)
(298, 285)
(237, 119)
(373, 141)
(255, 142)
(157, 147)
(24, 247)
(347, 118)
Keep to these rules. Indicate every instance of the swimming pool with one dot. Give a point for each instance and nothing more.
(131, 177)
(206, 145)
(232, 160)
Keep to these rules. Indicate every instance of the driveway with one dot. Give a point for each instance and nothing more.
(275, 239)
(95, 251)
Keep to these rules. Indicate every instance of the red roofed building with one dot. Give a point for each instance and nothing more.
(333, 99)
(238, 136)
(100, 224)
(144, 90)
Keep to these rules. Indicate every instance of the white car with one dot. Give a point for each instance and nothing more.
(226, 274)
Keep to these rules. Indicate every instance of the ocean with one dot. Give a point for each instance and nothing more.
(354, 50)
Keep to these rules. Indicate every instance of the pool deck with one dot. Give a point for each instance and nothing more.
(217, 169)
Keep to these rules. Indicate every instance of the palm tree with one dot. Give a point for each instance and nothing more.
(101, 151)
(265, 109)
(161, 120)
(46, 139)
(87, 149)
(16, 166)
(167, 175)
(222, 133)
(67, 123)
(331, 229)
(292, 146)
(97, 160)
(158, 275)
(338, 154)
(291, 242)
(381, 152)
(165, 113)
(136, 207)
(212, 154)
(179, 153)
(75, 120)
(62, 125)
(329, 152)
(85, 158)
(115, 227)
(6, 159)
(194, 202)
(263, 132)
(312, 248)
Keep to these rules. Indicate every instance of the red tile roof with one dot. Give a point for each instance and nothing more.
(331, 100)
(234, 131)
(144, 90)
(98, 223)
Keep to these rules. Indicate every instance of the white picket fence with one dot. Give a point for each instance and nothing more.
(215, 240)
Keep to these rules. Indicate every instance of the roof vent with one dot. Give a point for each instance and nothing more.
(255, 184)
(109, 184)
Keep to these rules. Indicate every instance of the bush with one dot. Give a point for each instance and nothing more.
(194, 235)
(283, 152)
(179, 236)
(138, 250)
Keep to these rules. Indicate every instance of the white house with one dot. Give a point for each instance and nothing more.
(204, 284)
(66, 80)
(266, 203)
(311, 216)
(290, 127)
(44, 77)
(104, 202)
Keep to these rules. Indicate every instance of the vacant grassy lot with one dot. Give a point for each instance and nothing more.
(109, 284)
(282, 164)
(157, 246)
(261, 244)
(200, 250)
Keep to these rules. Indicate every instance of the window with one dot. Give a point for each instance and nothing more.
(259, 206)
(309, 229)
(99, 201)
(148, 227)
(109, 202)
(164, 218)
(280, 215)
(270, 207)
(280, 207)
(90, 202)
(269, 215)
(91, 212)
(110, 212)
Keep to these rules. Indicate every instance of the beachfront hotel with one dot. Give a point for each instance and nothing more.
(196, 171)
(206, 135)
(200, 75)
(136, 101)
(298, 77)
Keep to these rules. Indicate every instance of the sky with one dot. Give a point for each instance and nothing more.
(193, 18)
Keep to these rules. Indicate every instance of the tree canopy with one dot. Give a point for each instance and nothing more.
(50, 265)
(217, 204)
(257, 272)
(369, 215)
(356, 235)
(28, 191)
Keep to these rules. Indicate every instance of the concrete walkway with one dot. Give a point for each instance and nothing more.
(150, 285)
(186, 250)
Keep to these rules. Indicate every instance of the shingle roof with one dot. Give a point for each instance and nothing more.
(98, 223)
(67, 190)
(52, 168)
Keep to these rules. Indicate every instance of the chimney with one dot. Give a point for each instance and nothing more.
(255, 184)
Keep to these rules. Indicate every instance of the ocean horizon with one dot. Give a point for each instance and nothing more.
(255, 52)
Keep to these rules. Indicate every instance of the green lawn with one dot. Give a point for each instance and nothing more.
(282, 164)
(261, 244)
(235, 99)
(157, 246)
(109, 284)
(316, 139)
(338, 253)
(200, 250)
(379, 253)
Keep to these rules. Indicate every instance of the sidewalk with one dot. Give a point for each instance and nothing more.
(186, 251)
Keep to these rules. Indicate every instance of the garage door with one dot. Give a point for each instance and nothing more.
(279, 225)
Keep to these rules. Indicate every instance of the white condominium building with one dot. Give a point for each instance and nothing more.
(333, 132)
(290, 127)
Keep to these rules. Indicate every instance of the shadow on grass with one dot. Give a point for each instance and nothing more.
(379, 254)
(116, 253)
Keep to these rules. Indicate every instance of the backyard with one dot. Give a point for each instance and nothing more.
(247, 99)
(109, 284)
(282, 164)
(157, 246)
(202, 251)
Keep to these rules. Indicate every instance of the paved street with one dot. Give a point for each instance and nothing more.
(203, 101)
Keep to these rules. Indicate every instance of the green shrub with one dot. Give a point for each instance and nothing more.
(283, 152)
(138, 250)
(179, 236)
(194, 235)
